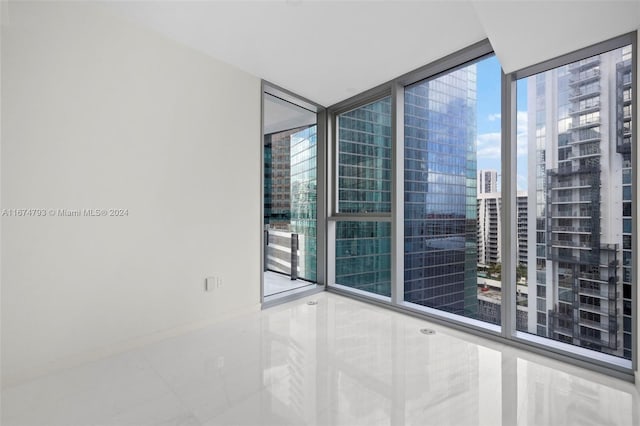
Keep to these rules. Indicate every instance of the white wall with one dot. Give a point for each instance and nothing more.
(97, 113)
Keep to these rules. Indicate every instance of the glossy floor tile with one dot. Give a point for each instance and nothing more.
(339, 362)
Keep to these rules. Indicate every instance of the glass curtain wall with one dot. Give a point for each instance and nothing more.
(418, 216)
(364, 159)
(576, 169)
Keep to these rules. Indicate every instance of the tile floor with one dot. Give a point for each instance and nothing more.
(340, 362)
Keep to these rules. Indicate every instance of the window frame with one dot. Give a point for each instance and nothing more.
(334, 215)
(333, 113)
(594, 360)
(268, 88)
(395, 88)
(507, 333)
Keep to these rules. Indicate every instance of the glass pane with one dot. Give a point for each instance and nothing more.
(579, 213)
(290, 148)
(452, 202)
(364, 159)
(363, 256)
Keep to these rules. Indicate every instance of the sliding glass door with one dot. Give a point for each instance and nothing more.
(290, 179)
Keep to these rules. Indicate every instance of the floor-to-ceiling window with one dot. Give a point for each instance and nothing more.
(576, 167)
(502, 202)
(452, 248)
(363, 173)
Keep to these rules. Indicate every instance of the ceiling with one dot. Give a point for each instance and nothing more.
(280, 115)
(328, 51)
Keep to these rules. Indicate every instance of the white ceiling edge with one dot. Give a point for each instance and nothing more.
(325, 51)
(328, 51)
(525, 33)
(280, 115)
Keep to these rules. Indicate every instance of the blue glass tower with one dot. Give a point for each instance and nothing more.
(440, 217)
(303, 151)
(363, 249)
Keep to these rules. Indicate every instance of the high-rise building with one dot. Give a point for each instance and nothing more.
(363, 249)
(490, 255)
(277, 191)
(440, 222)
(303, 153)
(623, 138)
(489, 228)
(580, 190)
(487, 181)
(489, 232)
(522, 205)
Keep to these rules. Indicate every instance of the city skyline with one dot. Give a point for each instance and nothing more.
(452, 205)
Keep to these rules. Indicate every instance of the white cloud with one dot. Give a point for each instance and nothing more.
(488, 145)
(522, 182)
(522, 121)
(522, 124)
(494, 117)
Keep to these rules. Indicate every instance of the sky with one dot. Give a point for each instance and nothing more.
(489, 120)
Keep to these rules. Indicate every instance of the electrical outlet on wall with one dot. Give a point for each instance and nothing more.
(209, 283)
(213, 282)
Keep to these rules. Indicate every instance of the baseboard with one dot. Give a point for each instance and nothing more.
(117, 348)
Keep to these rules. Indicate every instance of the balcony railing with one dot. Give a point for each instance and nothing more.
(611, 343)
(623, 145)
(580, 136)
(585, 153)
(584, 76)
(583, 214)
(281, 252)
(594, 324)
(593, 277)
(571, 199)
(584, 63)
(585, 91)
(578, 229)
(596, 292)
(582, 109)
(576, 244)
(574, 169)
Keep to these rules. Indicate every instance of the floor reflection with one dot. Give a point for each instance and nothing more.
(339, 362)
(354, 364)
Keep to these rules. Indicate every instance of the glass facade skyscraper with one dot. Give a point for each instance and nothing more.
(440, 216)
(303, 153)
(364, 159)
(363, 249)
(363, 256)
(417, 214)
(277, 192)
